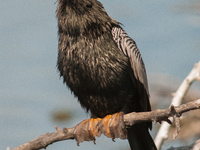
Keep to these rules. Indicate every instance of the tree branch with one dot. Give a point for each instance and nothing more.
(176, 101)
(129, 119)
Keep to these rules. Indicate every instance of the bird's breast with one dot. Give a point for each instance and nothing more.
(96, 72)
(91, 64)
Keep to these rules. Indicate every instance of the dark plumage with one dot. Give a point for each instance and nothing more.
(102, 65)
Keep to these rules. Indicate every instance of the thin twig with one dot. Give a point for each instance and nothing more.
(176, 101)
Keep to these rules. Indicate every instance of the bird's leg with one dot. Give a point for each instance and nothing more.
(87, 130)
(113, 126)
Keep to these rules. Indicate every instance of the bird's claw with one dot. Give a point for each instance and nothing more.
(113, 126)
(86, 131)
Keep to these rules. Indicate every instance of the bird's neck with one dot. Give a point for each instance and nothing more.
(83, 18)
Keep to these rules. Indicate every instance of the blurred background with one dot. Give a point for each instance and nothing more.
(33, 99)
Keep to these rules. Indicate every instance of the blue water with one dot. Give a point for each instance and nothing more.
(166, 33)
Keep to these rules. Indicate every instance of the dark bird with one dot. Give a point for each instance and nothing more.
(102, 65)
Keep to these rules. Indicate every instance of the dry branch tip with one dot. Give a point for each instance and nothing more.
(178, 127)
(57, 128)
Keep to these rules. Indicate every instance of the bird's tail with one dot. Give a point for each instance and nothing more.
(139, 138)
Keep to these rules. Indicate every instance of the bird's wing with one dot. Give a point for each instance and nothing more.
(129, 48)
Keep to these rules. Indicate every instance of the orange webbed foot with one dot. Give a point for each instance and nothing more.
(87, 130)
(113, 126)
